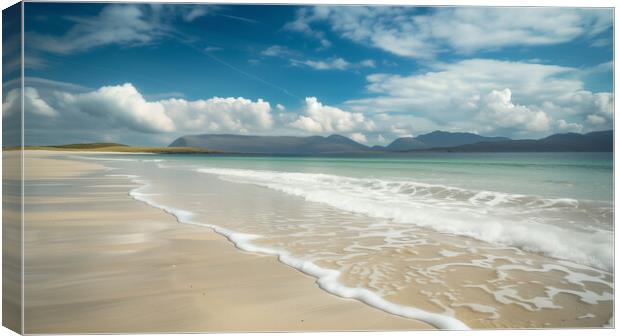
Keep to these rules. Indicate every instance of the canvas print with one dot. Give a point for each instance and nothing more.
(269, 168)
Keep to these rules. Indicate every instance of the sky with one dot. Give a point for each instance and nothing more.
(145, 74)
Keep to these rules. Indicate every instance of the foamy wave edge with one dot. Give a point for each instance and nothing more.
(327, 279)
(549, 240)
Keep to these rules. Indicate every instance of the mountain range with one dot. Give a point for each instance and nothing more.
(437, 139)
(601, 141)
(255, 144)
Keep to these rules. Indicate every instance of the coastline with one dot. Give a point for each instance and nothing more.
(134, 268)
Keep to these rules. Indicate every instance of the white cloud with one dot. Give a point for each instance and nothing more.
(36, 105)
(564, 126)
(11, 103)
(212, 48)
(116, 24)
(124, 107)
(497, 110)
(300, 24)
(278, 51)
(219, 114)
(368, 63)
(121, 106)
(402, 31)
(600, 68)
(449, 84)
(330, 64)
(450, 95)
(359, 137)
(601, 106)
(32, 103)
(321, 118)
(601, 42)
(595, 120)
(334, 63)
(195, 12)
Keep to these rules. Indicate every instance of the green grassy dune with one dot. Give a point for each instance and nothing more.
(115, 147)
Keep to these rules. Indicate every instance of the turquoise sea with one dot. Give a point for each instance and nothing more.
(562, 175)
(533, 232)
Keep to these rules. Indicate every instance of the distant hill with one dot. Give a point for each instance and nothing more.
(271, 144)
(118, 148)
(438, 139)
(601, 141)
(434, 141)
(93, 145)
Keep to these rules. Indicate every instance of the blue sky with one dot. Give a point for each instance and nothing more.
(144, 74)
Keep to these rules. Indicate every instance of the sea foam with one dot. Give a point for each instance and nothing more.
(531, 223)
(327, 279)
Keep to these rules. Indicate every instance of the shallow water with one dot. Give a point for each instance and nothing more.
(491, 240)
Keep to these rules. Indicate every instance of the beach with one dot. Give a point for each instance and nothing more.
(144, 243)
(96, 260)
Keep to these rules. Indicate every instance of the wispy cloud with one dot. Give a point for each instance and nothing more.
(599, 68)
(303, 24)
(239, 18)
(212, 48)
(405, 32)
(195, 12)
(279, 51)
(116, 24)
(297, 58)
(334, 63)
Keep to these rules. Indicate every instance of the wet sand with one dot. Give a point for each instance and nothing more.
(97, 260)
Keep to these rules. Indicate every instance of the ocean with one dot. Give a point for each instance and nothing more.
(453, 239)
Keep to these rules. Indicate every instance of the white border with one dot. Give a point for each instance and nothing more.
(497, 3)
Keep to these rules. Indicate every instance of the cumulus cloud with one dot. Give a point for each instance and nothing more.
(595, 120)
(116, 109)
(11, 103)
(497, 110)
(359, 137)
(601, 106)
(564, 126)
(452, 95)
(219, 114)
(319, 118)
(32, 103)
(405, 32)
(121, 106)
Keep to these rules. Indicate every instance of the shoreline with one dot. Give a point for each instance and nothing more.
(326, 279)
(266, 296)
(200, 202)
